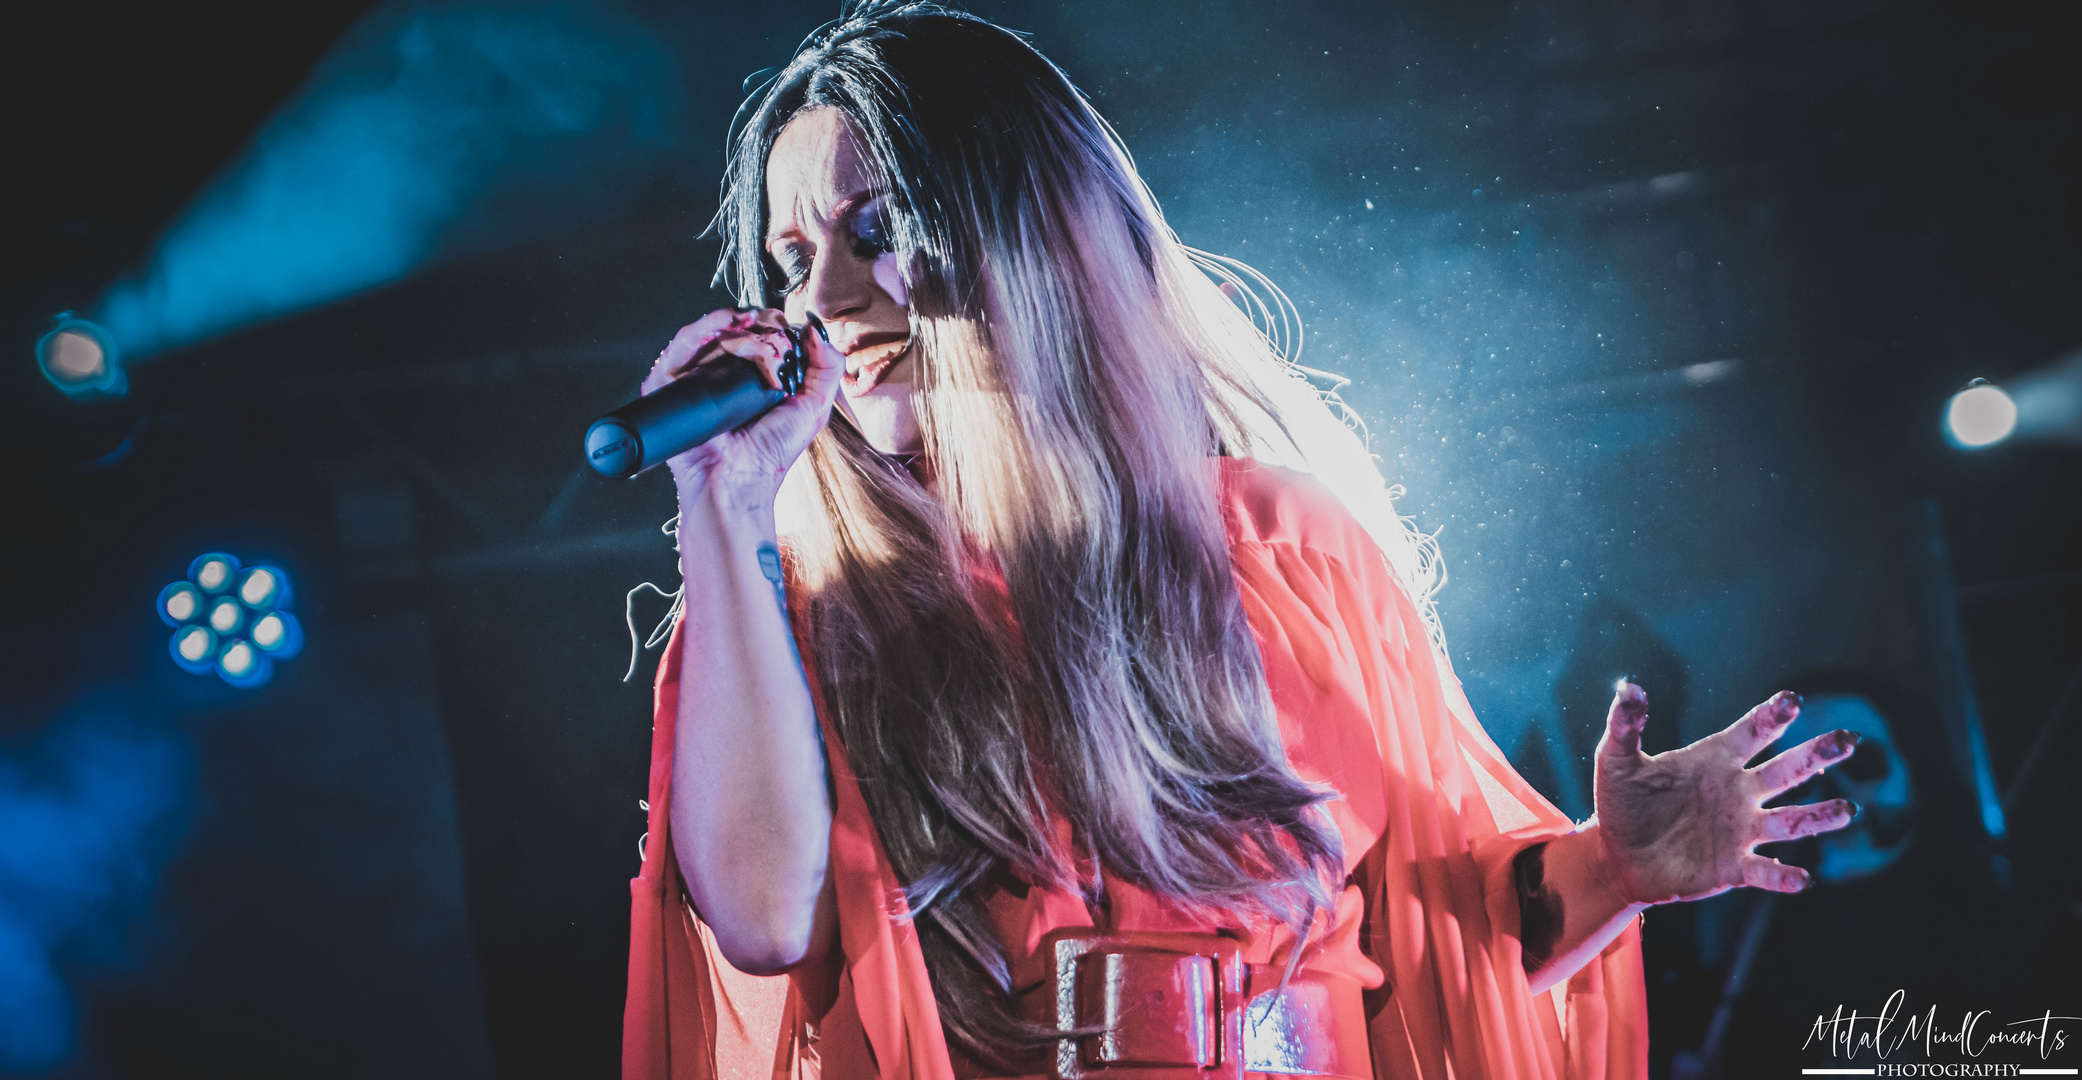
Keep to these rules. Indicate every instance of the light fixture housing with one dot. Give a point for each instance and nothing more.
(79, 357)
(231, 619)
(1981, 415)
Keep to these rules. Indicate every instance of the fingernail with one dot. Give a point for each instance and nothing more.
(1857, 811)
(818, 325)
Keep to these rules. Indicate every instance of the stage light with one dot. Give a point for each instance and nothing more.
(79, 357)
(1980, 415)
(243, 666)
(213, 572)
(194, 649)
(278, 634)
(231, 621)
(179, 602)
(226, 616)
(263, 587)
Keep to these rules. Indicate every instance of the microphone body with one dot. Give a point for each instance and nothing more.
(688, 411)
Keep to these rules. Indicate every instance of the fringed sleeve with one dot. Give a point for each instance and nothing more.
(1441, 907)
(1364, 698)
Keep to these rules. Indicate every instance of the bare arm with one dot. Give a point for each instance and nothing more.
(751, 819)
(750, 811)
(1682, 825)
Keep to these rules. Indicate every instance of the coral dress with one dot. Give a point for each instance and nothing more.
(1431, 815)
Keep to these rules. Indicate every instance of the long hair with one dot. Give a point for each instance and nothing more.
(1077, 368)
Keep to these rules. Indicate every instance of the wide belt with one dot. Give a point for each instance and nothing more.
(1174, 1006)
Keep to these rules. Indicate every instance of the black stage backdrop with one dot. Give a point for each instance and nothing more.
(1652, 305)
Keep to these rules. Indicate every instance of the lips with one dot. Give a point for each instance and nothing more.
(870, 359)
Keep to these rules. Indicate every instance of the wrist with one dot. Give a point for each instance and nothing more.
(1597, 865)
(726, 497)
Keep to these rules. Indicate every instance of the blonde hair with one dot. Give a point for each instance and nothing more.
(1079, 367)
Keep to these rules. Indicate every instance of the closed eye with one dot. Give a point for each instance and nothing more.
(865, 219)
(790, 266)
(870, 226)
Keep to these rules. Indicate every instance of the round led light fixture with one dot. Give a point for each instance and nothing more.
(79, 357)
(213, 573)
(195, 649)
(179, 603)
(243, 666)
(226, 616)
(230, 619)
(278, 634)
(1983, 414)
(263, 588)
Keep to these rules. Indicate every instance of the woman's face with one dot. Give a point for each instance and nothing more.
(828, 231)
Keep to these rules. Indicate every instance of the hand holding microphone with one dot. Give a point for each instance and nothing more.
(734, 389)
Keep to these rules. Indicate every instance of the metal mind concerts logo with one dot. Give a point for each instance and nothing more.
(1894, 1032)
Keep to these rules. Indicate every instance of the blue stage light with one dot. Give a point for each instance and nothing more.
(231, 620)
(278, 634)
(1980, 415)
(226, 616)
(263, 588)
(214, 572)
(243, 666)
(195, 649)
(80, 358)
(180, 602)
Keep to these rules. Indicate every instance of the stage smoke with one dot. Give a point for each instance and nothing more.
(413, 137)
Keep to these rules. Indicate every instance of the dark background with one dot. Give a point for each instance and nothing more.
(1519, 228)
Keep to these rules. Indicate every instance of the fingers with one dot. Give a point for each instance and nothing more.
(824, 365)
(784, 433)
(763, 350)
(691, 339)
(1763, 873)
(1807, 819)
(698, 333)
(1762, 725)
(1625, 721)
(1790, 769)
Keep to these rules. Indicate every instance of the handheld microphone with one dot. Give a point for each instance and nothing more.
(688, 411)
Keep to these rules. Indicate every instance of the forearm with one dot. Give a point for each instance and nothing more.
(751, 817)
(1570, 907)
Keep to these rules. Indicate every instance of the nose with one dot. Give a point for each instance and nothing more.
(840, 284)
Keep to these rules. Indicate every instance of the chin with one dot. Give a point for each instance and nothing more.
(887, 423)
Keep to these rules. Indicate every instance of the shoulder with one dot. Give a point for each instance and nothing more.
(1268, 504)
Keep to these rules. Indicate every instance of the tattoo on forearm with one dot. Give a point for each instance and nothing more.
(1539, 908)
(770, 567)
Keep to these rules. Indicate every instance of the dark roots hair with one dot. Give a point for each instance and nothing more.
(1077, 369)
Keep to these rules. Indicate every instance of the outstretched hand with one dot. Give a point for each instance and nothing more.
(1684, 825)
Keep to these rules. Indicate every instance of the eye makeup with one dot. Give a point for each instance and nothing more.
(864, 219)
(870, 226)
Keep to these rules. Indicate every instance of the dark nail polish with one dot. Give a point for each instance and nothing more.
(817, 324)
(1857, 811)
